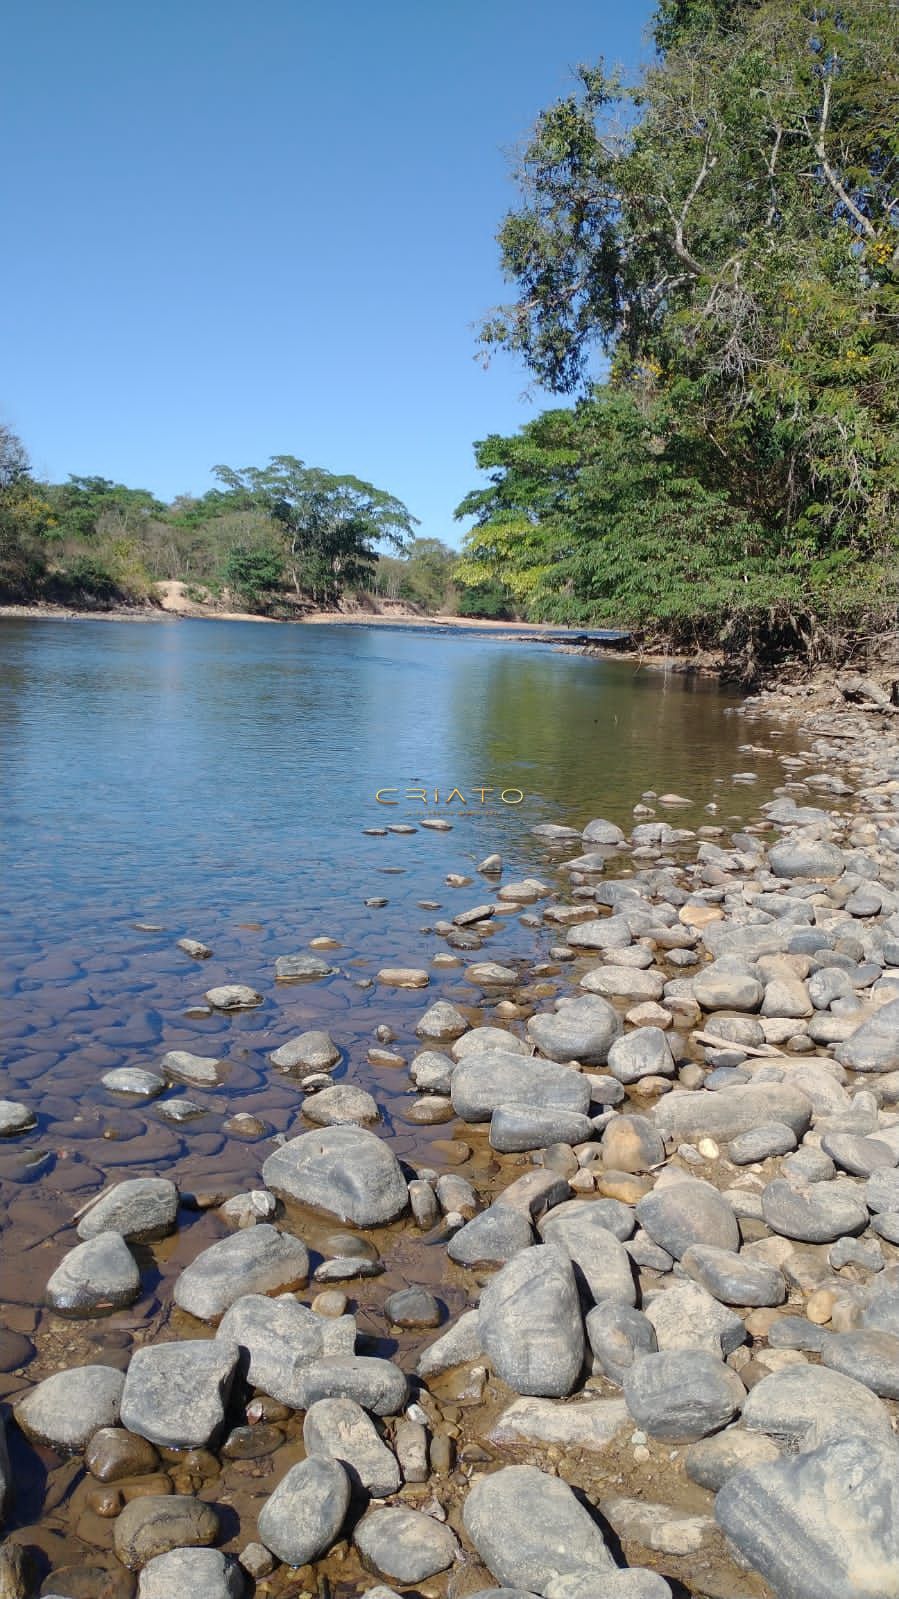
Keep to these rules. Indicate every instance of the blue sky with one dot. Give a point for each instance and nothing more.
(238, 229)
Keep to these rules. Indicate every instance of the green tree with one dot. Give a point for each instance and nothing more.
(330, 525)
(727, 234)
(254, 575)
(24, 520)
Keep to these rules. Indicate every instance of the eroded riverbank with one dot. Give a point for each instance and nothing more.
(702, 1016)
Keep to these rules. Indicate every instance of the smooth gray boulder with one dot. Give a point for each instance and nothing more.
(637, 1582)
(733, 1279)
(256, 1260)
(710, 1461)
(530, 1324)
(582, 1029)
(375, 1384)
(201, 1573)
(731, 1111)
(606, 932)
(278, 1337)
(727, 984)
(404, 1544)
(442, 1021)
(339, 1105)
(347, 1171)
(314, 1051)
(134, 1080)
(175, 1394)
(644, 1052)
(822, 1525)
(489, 1078)
(678, 1214)
(515, 1129)
(141, 1209)
(809, 1405)
(857, 1154)
(587, 1424)
(341, 1430)
(685, 1316)
(199, 1071)
(529, 1528)
(619, 1336)
(814, 1213)
(759, 1143)
(796, 856)
(432, 1072)
(65, 1410)
(874, 1046)
(868, 1355)
(305, 1514)
(461, 1342)
(600, 831)
(682, 1394)
(579, 1230)
(94, 1278)
(492, 1237)
(881, 1191)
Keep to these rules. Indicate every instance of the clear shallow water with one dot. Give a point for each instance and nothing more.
(214, 780)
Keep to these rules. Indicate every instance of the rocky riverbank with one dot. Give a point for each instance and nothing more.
(639, 1322)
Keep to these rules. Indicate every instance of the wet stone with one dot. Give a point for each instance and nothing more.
(339, 1105)
(152, 1524)
(198, 1071)
(442, 1021)
(140, 1209)
(412, 1307)
(15, 1118)
(175, 1393)
(94, 1278)
(232, 996)
(403, 977)
(252, 1443)
(194, 948)
(300, 968)
(405, 1545)
(314, 1051)
(254, 1260)
(305, 1514)
(134, 1080)
(113, 1453)
(65, 1410)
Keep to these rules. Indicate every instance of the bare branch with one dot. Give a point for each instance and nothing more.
(843, 196)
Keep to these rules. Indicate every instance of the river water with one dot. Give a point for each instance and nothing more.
(216, 780)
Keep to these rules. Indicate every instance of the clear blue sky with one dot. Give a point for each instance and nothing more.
(238, 228)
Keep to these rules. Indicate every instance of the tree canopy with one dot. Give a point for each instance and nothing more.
(726, 235)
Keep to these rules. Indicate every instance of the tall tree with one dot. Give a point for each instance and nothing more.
(727, 234)
(331, 525)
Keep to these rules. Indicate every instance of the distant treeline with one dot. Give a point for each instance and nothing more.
(273, 540)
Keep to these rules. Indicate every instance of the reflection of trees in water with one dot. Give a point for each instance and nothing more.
(583, 733)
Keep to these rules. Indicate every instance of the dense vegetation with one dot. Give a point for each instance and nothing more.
(726, 236)
(271, 539)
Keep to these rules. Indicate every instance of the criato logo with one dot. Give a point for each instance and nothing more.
(456, 796)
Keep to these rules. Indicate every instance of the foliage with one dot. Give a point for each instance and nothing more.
(422, 575)
(254, 575)
(727, 234)
(330, 525)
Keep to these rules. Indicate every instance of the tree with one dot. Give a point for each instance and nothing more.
(254, 575)
(330, 525)
(24, 519)
(727, 234)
